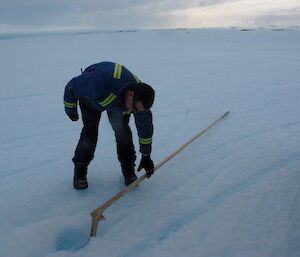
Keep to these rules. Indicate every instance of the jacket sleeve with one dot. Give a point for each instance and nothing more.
(144, 125)
(70, 100)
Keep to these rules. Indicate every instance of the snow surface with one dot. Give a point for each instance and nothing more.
(233, 192)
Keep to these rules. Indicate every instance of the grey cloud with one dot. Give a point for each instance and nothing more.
(284, 17)
(102, 14)
(281, 15)
(36, 11)
(27, 12)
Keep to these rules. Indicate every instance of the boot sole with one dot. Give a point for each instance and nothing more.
(80, 186)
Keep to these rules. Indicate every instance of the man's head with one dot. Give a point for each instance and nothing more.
(139, 97)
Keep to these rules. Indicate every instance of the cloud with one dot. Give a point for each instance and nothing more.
(40, 12)
(281, 17)
(119, 14)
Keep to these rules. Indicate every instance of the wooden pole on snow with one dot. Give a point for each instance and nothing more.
(97, 214)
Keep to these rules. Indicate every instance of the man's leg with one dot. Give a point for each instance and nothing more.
(125, 147)
(86, 146)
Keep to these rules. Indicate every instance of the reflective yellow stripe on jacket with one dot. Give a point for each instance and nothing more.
(118, 71)
(70, 105)
(146, 141)
(108, 100)
(136, 78)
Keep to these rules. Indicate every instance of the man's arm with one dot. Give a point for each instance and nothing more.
(144, 124)
(70, 102)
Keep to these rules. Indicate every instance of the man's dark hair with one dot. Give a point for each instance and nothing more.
(143, 93)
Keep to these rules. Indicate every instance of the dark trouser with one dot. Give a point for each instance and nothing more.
(85, 149)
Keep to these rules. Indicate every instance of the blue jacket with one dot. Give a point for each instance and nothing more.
(103, 85)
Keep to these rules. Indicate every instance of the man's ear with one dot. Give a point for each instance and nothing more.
(130, 94)
(128, 99)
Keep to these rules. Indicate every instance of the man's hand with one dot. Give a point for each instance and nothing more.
(146, 164)
(73, 117)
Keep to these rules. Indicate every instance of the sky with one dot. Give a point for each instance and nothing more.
(60, 15)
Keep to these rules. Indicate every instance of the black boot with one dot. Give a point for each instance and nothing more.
(129, 174)
(80, 181)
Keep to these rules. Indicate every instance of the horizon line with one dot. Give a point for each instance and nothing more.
(91, 31)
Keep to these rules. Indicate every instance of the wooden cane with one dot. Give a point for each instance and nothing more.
(97, 214)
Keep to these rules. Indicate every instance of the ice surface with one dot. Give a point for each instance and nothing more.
(233, 192)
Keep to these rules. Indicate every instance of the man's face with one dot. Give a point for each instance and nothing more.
(131, 105)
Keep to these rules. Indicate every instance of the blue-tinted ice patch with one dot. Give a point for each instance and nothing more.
(71, 240)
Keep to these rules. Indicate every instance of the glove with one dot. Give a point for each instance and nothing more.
(146, 164)
(73, 117)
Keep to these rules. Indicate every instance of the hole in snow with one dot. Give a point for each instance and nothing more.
(71, 240)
